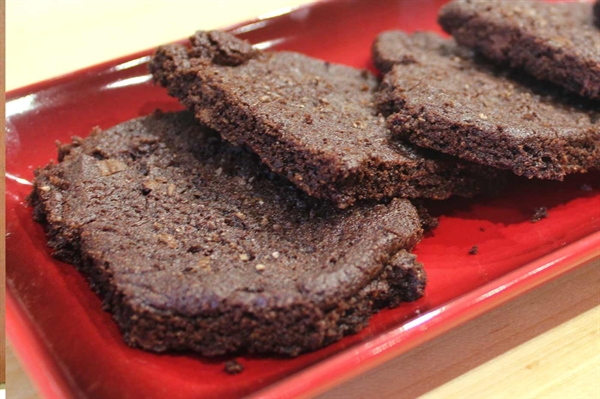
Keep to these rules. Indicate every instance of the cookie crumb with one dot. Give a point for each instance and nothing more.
(586, 187)
(111, 166)
(170, 190)
(539, 214)
(428, 222)
(474, 249)
(232, 367)
(260, 267)
(169, 240)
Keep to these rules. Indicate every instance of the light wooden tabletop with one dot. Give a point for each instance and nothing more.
(543, 344)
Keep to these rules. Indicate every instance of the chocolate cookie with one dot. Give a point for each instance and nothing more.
(551, 41)
(194, 245)
(441, 97)
(308, 120)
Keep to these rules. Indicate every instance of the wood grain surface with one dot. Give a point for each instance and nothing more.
(544, 344)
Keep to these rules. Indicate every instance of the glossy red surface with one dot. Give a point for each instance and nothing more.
(71, 348)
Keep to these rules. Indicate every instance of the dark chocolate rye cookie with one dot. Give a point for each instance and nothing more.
(551, 41)
(439, 96)
(308, 120)
(194, 245)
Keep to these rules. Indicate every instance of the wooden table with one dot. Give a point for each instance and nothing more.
(543, 344)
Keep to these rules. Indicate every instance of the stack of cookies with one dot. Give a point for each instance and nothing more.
(517, 88)
(276, 214)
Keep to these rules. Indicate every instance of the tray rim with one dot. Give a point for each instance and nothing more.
(326, 374)
(45, 371)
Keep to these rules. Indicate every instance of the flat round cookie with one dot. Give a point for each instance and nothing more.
(439, 96)
(308, 120)
(557, 42)
(194, 245)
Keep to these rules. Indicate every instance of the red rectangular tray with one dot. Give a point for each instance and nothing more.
(71, 348)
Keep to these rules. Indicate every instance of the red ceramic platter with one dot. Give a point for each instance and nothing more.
(71, 348)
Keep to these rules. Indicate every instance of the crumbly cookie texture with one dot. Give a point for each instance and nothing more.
(440, 96)
(193, 244)
(557, 42)
(309, 120)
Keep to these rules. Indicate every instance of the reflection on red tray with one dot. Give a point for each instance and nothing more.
(72, 348)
